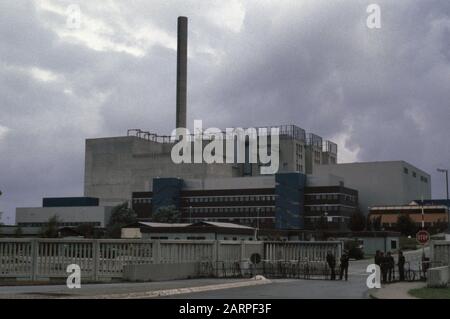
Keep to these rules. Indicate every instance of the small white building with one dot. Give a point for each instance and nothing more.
(70, 212)
(201, 231)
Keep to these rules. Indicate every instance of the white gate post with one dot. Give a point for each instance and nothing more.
(242, 251)
(34, 258)
(156, 254)
(96, 259)
(215, 259)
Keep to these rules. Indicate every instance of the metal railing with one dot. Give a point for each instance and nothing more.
(99, 259)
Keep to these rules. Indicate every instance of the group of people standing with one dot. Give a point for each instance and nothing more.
(385, 262)
(387, 266)
(343, 266)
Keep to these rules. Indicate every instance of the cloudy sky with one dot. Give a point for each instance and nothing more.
(381, 94)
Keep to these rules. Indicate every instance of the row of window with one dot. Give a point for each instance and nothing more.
(299, 168)
(215, 199)
(198, 238)
(298, 149)
(243, 221)
(345, 197)
(253, 197)
(265, 209)
(331, 219)
(61, 224)
(414, 174)
(142, 200)
(426, 224)
(324, 208)
(317, 157)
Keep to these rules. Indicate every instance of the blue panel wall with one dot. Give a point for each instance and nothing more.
(166, 192)
(289, 202)
(69, 201)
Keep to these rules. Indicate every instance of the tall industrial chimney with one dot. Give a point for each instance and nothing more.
(182, 71)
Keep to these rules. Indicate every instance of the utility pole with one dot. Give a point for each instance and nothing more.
(423, 215)
(1, 213)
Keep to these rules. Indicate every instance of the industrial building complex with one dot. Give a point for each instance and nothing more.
(309, 187)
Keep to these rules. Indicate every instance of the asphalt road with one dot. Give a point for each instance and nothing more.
(354, 288)
(90, 290)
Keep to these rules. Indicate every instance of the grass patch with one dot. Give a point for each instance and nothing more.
(430, 293)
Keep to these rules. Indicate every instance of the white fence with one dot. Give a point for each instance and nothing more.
(302, 250)
(440, 252)
(36, 259)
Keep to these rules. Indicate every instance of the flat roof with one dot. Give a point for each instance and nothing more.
(408, 207)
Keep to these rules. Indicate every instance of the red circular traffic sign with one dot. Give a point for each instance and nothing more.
(423, 237)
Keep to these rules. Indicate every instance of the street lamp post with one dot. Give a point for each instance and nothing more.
(1, 212)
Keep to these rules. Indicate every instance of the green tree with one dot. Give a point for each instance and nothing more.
(438, 227)
(121, 216)
(86, 230)
(166, 214)
(357, 221)
(18, 232)
(375, 224)
(406, 225)
(368, 223)
(50, 230)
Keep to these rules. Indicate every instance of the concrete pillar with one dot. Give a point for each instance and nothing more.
(182, 72)
(34, 259)
(156, 253)
(96, 259)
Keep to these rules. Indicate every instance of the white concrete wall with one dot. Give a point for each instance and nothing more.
(115, 167)
(160, 272)
(381, 183)
(230, 183)
(81, 214)
(372, 244)
(324, 180)
(131, 233)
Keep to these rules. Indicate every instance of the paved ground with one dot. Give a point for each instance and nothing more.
(354, 288)
(89, 290)
(396, 291)
(283, 288)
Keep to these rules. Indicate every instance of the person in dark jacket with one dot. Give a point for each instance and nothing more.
(344, 266)
(425, 266)
(377, 258)
(331, 261)
(384, 267)
(401, 266)
(390, 266)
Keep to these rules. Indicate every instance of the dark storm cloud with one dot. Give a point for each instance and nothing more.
(382, 94)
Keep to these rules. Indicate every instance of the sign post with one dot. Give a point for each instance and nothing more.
(423, 237)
